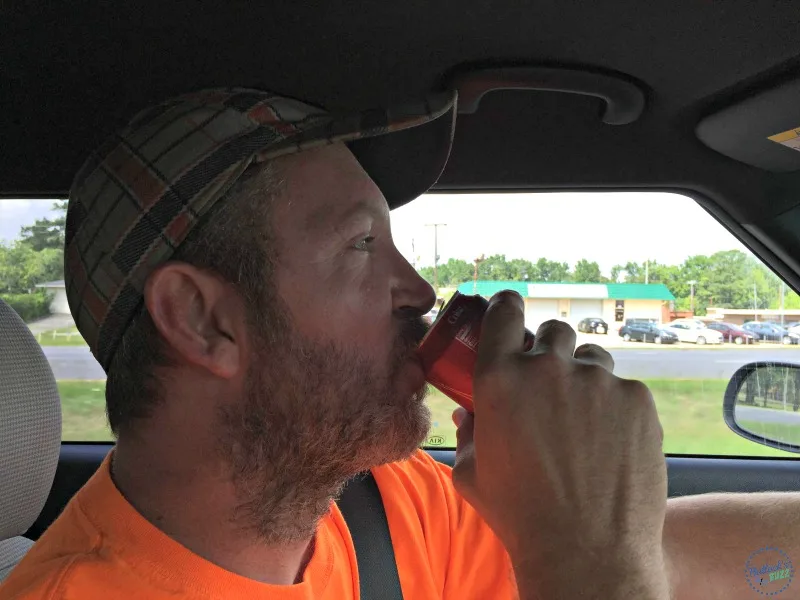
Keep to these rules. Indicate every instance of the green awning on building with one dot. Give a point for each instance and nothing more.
(545, 289)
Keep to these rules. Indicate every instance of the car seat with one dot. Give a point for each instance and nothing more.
(30, 435)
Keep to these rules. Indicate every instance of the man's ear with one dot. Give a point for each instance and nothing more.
(199, 316)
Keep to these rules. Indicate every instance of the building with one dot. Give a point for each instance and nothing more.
(738, 316)
(571, 302)
(58, 289)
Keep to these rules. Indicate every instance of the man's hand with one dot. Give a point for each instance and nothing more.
(564, 461)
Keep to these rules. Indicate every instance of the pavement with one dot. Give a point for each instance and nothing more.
(73, 362)
(695, 363)
(634, 361)
(50, 322)
(767, 415)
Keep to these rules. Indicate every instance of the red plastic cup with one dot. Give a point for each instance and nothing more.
(450, 348)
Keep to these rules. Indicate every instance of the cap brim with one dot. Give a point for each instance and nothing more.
(405, 164)
(404, 149)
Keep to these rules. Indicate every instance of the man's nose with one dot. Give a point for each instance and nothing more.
(411, 290)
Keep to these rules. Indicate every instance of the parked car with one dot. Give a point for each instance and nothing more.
(647, 332)
(691, 322)
(693, 332)
(793, 327)
(772, 333)
(733, 333)
(640, 321)
(592, 325)
(431, 315)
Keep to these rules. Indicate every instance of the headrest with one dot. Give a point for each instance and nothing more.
(30, 425)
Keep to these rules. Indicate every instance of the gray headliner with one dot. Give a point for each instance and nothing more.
(76, 71)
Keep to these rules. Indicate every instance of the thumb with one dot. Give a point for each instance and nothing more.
(465, 423)
(459, 414)
(464, 467)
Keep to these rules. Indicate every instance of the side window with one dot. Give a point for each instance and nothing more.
(32, 283)
(629, 279)
(588, 273)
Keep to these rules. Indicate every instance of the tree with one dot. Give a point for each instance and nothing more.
(452, 273)
(21, 267)
(587, 272)
(522, 270)
(46, 233)
(548, 270)
(728, 279)
(791, 301)
(495, 268)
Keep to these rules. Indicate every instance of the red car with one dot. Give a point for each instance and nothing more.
(733, 333)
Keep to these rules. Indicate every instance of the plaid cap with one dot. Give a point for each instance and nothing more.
(138, 196)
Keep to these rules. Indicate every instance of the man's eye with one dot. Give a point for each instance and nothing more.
(363, 245)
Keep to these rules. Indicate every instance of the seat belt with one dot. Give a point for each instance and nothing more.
(362, 508)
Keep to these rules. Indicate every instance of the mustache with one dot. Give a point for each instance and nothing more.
(412, 328)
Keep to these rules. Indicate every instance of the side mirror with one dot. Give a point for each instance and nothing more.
(762, 404)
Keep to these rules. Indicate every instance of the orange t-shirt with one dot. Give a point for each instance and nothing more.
(102, 548)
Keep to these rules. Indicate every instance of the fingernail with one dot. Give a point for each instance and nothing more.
(508, 295)
(458, 416)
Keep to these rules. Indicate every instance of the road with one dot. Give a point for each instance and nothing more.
(76, 362)
(73, 362)
(694, 363)
(767, 415)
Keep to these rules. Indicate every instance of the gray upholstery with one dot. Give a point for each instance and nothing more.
(30, 434)
(11, 552)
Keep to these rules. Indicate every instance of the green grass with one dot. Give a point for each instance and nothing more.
(690, 413)
(83, 411)
(782, 432)
(46, 338)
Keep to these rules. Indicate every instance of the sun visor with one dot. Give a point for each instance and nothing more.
(762, 131)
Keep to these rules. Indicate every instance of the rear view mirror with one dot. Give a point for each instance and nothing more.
(762, 404)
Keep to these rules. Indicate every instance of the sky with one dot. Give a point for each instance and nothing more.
(610, 228)
(16, 213)
(607, 227)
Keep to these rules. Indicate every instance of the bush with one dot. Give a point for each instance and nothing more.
(29, 306)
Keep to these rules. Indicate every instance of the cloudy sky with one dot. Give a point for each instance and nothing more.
(609, 228)
(16, 213)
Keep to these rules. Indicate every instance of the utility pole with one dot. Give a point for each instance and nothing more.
(691, 283)
(413, 254)
(477, 262)
(436, 253)
(783, 285)
(755, 303)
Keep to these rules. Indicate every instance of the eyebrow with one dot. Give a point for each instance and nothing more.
(326, 216)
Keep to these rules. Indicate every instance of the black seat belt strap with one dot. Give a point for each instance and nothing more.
(362, 507)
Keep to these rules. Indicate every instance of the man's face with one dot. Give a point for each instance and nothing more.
(338, 269)
(336, 388)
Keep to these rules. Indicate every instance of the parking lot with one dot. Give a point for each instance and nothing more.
(613, 340)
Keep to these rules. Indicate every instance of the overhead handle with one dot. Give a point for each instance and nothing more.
(624, 100)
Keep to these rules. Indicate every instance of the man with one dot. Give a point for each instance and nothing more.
(230, 263)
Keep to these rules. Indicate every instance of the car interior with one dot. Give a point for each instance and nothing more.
(569, 96)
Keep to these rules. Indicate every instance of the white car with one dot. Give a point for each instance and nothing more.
(693, 332)
(692, 322)
(431, 315)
